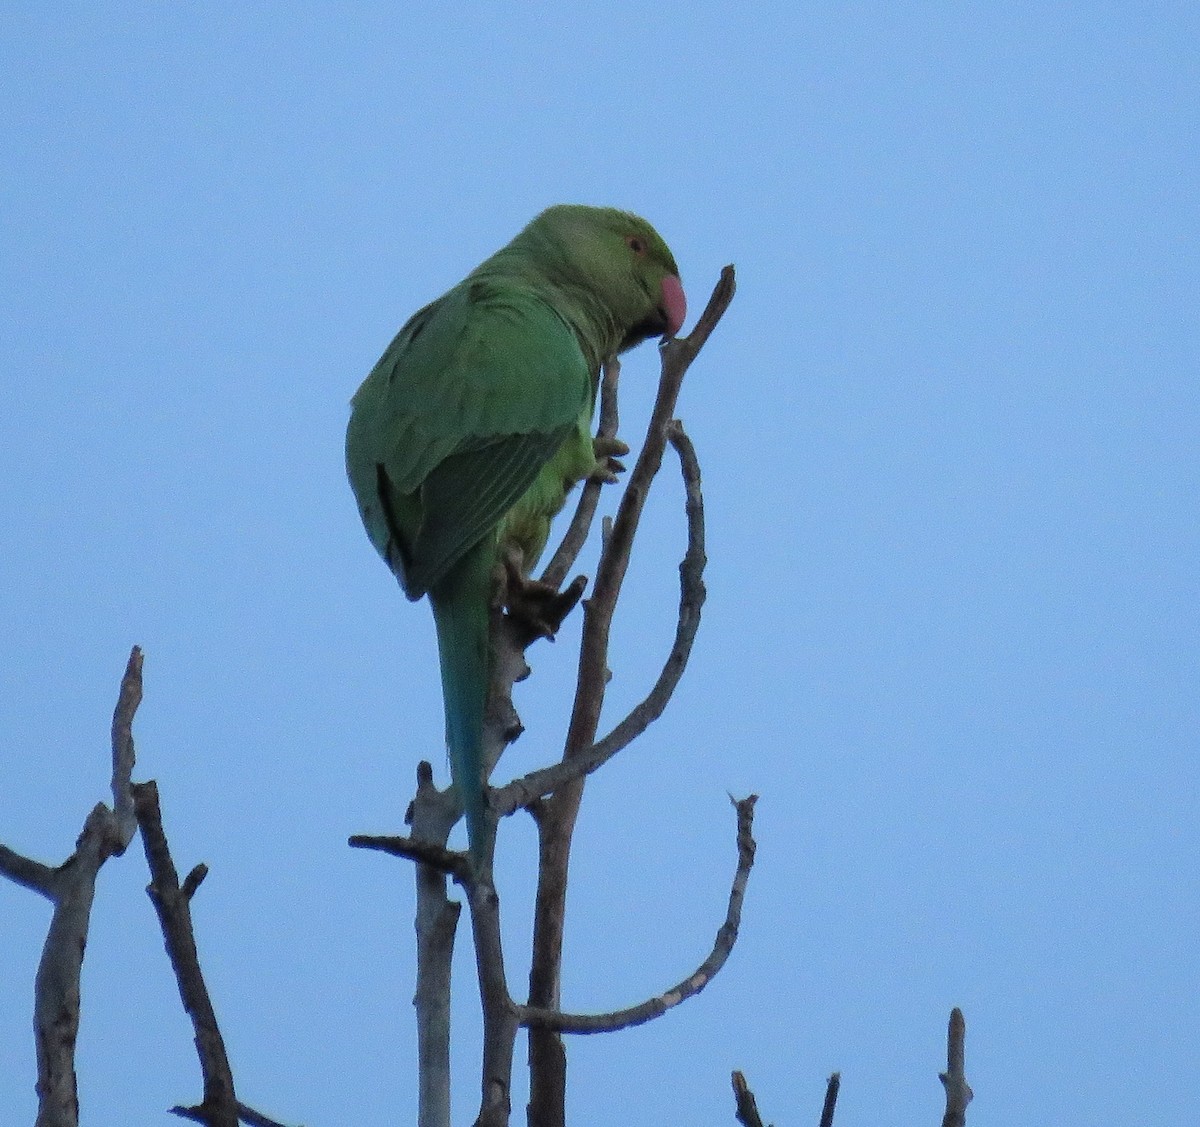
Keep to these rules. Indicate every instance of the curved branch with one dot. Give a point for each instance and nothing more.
(692, 594)
(560, 1022)
(537, 784)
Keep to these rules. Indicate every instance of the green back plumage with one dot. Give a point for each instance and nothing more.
(466, 406)
(475, 422)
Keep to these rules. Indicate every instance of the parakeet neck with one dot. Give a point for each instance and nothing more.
(544, 270)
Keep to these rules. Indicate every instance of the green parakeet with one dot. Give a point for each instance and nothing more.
(468, 434)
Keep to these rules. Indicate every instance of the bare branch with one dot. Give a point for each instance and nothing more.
(56, 986)
(219, 1107)
(123, 755)
(71, 888)
(537, 784)
(677, 355)
(499, 1010)
(194, 879)
(28, 873)
(690, 986)
(556, 815)
(831, 1095)
(246, 1115)
(954, 1079)
(691, 598)
(589, 496)
(432, 815)
(448, 861)
(746, 1105)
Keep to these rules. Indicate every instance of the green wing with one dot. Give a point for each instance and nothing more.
(469, 402)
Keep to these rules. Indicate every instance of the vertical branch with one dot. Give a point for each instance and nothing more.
(123, 756)
(432, 815)
(589, 497)
(56, 986)
(172, 902)
(71, 888)
(745, 1105)
(831, 1094)
(954, 1079)
(556, 816)
(499, 1013)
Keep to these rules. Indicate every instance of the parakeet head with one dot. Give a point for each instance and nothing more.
(618, 262)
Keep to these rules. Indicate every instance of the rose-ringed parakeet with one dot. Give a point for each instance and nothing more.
(468, 434)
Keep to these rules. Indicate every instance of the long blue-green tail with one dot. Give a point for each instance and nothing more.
(460, 612)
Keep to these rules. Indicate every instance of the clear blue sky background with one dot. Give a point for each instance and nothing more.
(950, 437)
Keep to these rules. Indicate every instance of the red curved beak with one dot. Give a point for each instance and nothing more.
(674, 303)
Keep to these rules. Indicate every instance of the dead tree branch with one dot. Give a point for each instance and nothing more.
(448, 862)
(690, 986)
(556, 816)
(173, 903)
(831, 1094)
(246, 1115)
(537, 784)
(954, 1079)
(71, 888)
(589, 496)
(219, 1107)
(745, 1104)
(432, 815)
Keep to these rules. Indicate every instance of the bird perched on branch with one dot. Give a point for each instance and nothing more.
(468, 434)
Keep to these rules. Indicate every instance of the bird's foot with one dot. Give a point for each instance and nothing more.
(536, 608)
(608, 451)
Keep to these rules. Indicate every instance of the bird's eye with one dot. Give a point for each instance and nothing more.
(638, 246)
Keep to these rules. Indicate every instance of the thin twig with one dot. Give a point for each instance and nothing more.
(691, 599)
(954, 1079)
(589, 496)
(695, 982)
(246, 1115)
(448, 861)
(537, 784)
(219, 1107)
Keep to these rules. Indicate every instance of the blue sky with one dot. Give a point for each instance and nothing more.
(950, 436)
